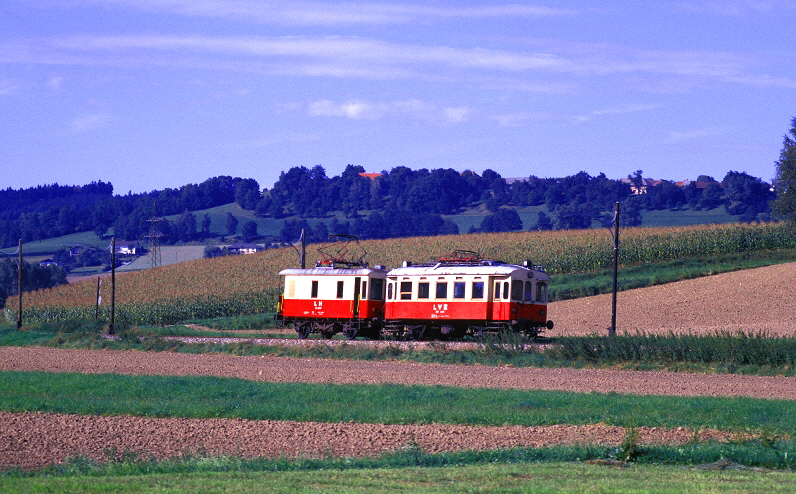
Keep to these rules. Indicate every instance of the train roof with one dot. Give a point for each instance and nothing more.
(329, 270)
(441, 269)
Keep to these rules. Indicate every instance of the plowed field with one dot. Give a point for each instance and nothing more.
(754, 300)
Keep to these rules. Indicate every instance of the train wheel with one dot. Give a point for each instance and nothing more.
(303, 330)
(350, 331)
(416, 333)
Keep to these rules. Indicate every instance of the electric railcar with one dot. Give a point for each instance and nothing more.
(465, 295)
(447, 298)
(341, 294)
(334, 298)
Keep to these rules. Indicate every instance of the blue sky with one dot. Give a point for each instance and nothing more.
(149, 94)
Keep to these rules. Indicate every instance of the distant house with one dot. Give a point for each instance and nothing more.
(372, 176)
(50, 262)
(686, 183)
(643, 186)
(125, 248)
(243, 248)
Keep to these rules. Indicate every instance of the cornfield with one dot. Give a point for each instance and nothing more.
(250, 284)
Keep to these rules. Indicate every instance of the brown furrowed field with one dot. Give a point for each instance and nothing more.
(753, 301)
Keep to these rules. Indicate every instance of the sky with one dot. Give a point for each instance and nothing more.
(154, 94)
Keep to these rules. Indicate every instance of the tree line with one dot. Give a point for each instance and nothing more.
(55, 210)
(34, 277)
(403, 202)
(394, 203)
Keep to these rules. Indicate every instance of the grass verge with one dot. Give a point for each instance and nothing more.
(722, 352)
(211, 397)
(560, 468)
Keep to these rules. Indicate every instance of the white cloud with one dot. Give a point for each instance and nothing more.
(735, 8)
(7, 88)
(55, 83)
(558, 69)
(362, 110)
(89, 122)
(615, 111)
(324, 13)
(691, 135)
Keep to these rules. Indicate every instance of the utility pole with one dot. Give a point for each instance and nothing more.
(113, 286)
(303, 249)
(19, 286)
(612, 329)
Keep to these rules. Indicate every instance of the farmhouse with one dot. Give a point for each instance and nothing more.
(243, 248)
(126, 248)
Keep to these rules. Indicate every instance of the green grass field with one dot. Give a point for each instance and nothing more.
(212, 397)
(522, 477)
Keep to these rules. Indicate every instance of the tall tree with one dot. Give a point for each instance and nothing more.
(785, 178)
(249, 230)
(232, 224)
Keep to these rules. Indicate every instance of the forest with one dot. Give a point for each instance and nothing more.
(395, 203)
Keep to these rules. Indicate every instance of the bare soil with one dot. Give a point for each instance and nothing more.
(757, 300)
(34, 440)
(752, 301)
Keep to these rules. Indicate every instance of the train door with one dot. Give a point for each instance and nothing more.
(500, 294)
(357, 292)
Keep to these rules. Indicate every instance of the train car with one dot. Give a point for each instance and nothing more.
(465, 295)
(335, 296)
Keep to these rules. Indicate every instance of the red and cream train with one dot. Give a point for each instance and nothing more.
(446, 298)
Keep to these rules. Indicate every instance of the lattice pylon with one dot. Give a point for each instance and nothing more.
(153, 241)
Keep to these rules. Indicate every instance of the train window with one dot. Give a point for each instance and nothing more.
(516, 289)
(339, 289)
(528, 288)
(458, 289)
(389, 290)
(406, 290)
(314, 290)
(291, 289)
(422, 290)
(376, 289)
(497, 290)
(505, 290)
(541, 292)
(478, 289)
(442, 290)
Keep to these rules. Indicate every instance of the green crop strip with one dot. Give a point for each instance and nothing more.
(209, 397)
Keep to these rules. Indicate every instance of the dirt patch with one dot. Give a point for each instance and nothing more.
(752, 300)
(34, 440)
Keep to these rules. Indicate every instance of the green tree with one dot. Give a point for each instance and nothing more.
(503, 220)
(232, 224)
(249, 230)
(543, 222)
(785, 178)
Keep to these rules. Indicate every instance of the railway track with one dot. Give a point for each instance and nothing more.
(333, 342)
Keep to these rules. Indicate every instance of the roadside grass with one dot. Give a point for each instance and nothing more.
(256, 321)
(213, 397)
(721, 352)
(576, 285)
(452, 473)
